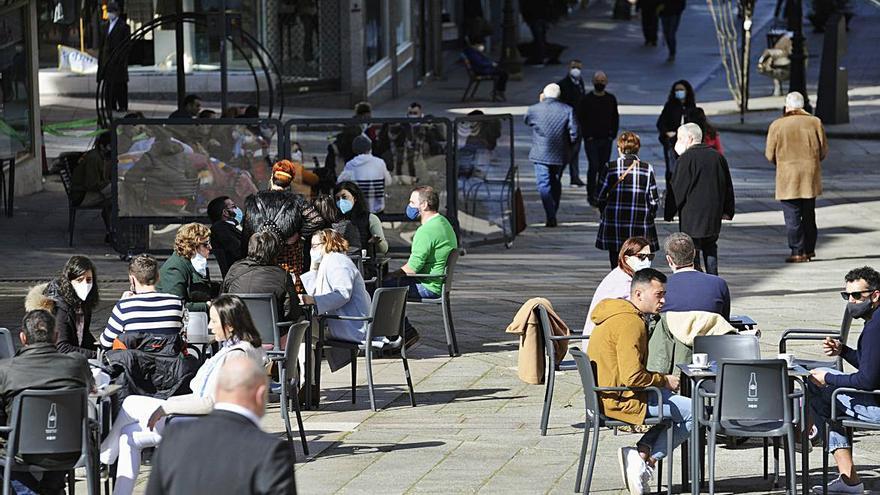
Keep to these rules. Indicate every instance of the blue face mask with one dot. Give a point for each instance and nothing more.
(412, 212)
(344, 205)
(680, 94)
(239, 215)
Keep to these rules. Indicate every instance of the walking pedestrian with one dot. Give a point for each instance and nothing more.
(598, 120)
(554, 129)
(648, 9)
(670, 15)
(701, 193)
(628, 200)
(796, 144)
(112, 35)
(572, 91)
(681, 99)
(711, 137)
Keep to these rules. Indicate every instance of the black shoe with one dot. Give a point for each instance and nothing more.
(551, 223)
(578, 183)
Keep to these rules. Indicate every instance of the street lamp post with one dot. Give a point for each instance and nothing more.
(510, 60)
(798, 80)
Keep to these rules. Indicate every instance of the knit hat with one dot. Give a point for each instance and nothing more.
(361, 145)
(283, 173)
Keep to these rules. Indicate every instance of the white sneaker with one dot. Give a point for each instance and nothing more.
(838, 486)
(636, 469)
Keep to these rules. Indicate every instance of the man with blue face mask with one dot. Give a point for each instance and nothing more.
(226, 220)
(432, 243)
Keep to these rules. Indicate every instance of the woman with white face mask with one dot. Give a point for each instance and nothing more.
(634, 255)
(70, 297)
(185, 273)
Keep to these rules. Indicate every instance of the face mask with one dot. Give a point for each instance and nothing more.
(859, 309)
(680, 94)
(200, 263)
(636, 264)
(680, 147)
(82, 289)
(239, 215)
(599, 87)
(412, 212)
(344, 205)
(111, 16)
(316, 254)
(575, 73)
(297, 156)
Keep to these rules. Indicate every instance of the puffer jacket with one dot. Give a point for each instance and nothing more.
(48, 297)
(249, 277)
(554, 129)
(151, 365)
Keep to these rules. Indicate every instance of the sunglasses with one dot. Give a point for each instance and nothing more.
(857, 295)
(645, 256)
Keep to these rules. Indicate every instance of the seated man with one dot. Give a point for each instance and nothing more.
(688, 289)
(862, 294)
(39, 365)
(226, 220)
(235, 455)
(482, 65)
(143, 309)
(90, 181)
(619, 347)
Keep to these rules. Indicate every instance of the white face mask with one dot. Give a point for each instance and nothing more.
(636, 264)
(111, 16)
(575, 73)
(297, 156)
(680, 147)
(316, 254)
(200, 263)
(82, 289)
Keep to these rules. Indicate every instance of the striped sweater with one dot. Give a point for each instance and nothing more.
(150, 312)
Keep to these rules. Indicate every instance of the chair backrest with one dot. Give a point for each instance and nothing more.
(451, 261)
(7, 345)
(588, 380)
(752, 390)
(388, 310)
(265, 316)
(546, 332)
(720, 347)
(49, 422)
(66, 180)
(294, 341)
(467, 65)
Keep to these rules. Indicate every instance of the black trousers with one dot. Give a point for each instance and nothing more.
(119, 96)
(800, 224)
(649, 19)
(598, 151)
(708, 246)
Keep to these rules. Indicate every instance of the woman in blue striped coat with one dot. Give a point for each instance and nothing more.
(628, 199)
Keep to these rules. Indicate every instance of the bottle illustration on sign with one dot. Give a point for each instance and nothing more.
(753, 385)
(52, 420)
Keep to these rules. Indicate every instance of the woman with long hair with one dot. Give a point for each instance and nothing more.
(141, 419)
(681, 99)
(70, 297)
(350, 201)
(336, 220)
(634, 255)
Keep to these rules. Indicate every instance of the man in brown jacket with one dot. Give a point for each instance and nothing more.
(796, 144)
(619, 348)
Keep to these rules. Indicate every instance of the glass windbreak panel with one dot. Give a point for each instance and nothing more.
(486, 176)
(401, 156)
(174, 170)
(15, 116)
(375, 31)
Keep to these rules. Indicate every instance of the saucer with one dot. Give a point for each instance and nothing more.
(699, 367)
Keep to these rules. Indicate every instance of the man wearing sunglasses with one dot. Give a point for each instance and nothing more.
(862, 296)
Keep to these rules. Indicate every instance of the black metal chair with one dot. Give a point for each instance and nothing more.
(474, 81)
(811, 334)
(550, 365)
(596, 419)
(847, 422)
(288, 376)
(264, 313)
(444, 300)
(65, 173)
(49, 432)
(385, 320)
(7, 345)
(747, 404)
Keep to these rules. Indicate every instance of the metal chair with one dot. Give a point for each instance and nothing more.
(385, 320)
(747, 404)
(474, 81)
(48, 423)
(264, 313)
(444, 300)
(7, 345)
(550, 361)
(847, 422)
(808, 334)
(65, 173)
(596, 419)
(290, 384)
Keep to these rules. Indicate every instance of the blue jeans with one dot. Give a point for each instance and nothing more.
(417, 291)
(861, 407)
(548, 178)
(676, 408)
(670, 27)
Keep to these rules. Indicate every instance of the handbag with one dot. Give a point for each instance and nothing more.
(520, 211)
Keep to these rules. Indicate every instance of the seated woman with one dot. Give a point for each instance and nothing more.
(185, 273)
(141, 419)
(334, 219)
(350, 201)
(259, 273)
(70, 297)
(336, 287)
(634, 255)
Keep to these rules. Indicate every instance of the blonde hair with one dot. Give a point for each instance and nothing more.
(189, 237)
(333, 241)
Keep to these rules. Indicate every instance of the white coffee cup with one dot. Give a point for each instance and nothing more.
(788, 358)
(701, 359)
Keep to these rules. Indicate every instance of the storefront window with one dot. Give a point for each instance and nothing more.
(375, 35)
(401, 12)
(15, 84)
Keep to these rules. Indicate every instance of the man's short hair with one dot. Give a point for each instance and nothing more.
(39, 327)
(264, 247)
(645, 276)
(415, 104)
(429, 196)
(363, 108)
(865, 273)
(680, 248)
(693, 130)
(145, 269)
(216, 207)
(190, 99)
(794, 101)
(552, 91)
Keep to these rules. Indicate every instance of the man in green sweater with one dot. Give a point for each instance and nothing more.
(432, 243)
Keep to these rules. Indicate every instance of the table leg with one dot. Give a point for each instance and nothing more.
(805, 444)
(308, 366)
(695, 440)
